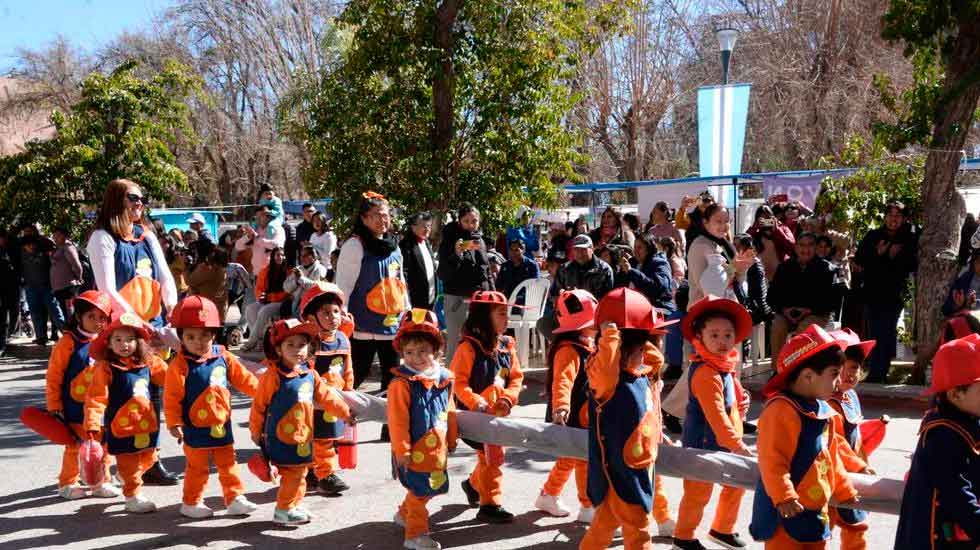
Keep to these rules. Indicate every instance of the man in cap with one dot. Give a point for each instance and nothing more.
(197, 223)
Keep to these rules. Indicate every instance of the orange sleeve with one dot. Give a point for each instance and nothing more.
(461, 366)
(653, 358)
(852, 462)
(779, 432)
(516, 379)
(681, 220)
(603, 367)
(97, 397)
(261, 282)
(709, 390)
(174, 391)
(843, 489)
(54, 378)
(564, 370)
(158, 371)
(268, 386)
(348, 373)
(398, 420)
(325, 396)
(452, 425)
(240, 377)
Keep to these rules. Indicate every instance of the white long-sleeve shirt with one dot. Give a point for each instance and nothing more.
(324, 244)
(101, 250)
(348, 270)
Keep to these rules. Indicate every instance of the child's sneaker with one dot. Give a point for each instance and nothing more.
(106, 490)
(666, 529)
(333, 485)
(196, 511)
(732, 541)
(241, 506)
(294, 516)
(422, 542)
(585, 514)
(71, 492)
(681, 544)
(492, 513)
(138, 504)
(399, 519)
(551, 505)
(472, 495)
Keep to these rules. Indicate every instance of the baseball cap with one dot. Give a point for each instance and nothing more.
(196, 217)
(582, 241)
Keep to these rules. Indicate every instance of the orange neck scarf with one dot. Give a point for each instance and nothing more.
(721, 363)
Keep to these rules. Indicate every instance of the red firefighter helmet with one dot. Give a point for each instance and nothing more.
(195, 312)
(419, 321)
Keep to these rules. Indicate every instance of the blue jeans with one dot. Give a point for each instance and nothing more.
(883, 328)
(41, 302)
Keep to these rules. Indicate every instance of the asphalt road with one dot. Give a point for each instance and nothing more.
(33, 516)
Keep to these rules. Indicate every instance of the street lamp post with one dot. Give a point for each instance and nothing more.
(726, 41)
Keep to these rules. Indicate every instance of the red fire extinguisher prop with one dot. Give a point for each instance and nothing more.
(347, 448)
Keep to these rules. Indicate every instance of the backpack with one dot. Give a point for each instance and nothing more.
(88, 276)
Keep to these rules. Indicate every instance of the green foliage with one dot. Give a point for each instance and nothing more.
(122, 127)
(371, 123)
(857, 202)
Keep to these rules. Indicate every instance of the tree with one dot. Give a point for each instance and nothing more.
(943, 39)
(436, 103)
(123, 126)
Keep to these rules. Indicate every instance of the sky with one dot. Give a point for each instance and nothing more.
(87, 24)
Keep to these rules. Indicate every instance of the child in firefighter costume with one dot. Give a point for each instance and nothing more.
(567, 387)
(624, 419)
(488, 379)
(118, 403)
(197, 403)
(282, 414)
(800, 462)
(69, 375)
(941, 504)
(847, 425)
(715, 327)
(322, 305)
(421, 421)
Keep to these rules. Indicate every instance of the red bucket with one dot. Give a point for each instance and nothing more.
(347, 448)
(90, 466)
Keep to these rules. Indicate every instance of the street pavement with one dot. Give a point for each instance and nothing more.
(33, 516)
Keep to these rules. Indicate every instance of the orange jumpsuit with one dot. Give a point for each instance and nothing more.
(567, 366)
(483, 377)
(205, 417)
(780, 430)
(119, 400)
(725, 423)
(67, 381)
(422, 423)
(282, 417)
(851, 534)
(333, 364)
(612, 386)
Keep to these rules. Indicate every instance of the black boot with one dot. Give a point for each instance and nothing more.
(333, 485)
(749, 428)
(384, 434)
(672, 423)
(312, 483)
(682, 544)
(731, 542)
(472, 495)
(158, 475)
(492, 513)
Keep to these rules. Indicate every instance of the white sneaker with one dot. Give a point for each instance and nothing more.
(585, 515)
(666, 529)
(241, 506)
(106, 490)
(398, 519)
(140, 505)
(196, 511)
(551, 505)
(71, 492)
(422, 542)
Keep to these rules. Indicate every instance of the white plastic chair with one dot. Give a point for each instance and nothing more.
(524, 321)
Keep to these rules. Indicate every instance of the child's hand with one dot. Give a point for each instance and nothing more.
(401, 460)
(351, 420)
(789, 509)
(57, 414)
(178, 433)
(743, 451)
(608, 325)
(560, 417)
(501, 407)
(93, 434)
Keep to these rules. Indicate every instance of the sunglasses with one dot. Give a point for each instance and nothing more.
(133, 197)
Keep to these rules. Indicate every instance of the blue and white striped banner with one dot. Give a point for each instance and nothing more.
(722, 114)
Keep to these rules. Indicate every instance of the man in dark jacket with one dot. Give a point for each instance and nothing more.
(885, 258)
(516, 270)
(36, 266)
(304, 230)
(420, 267)
(802, 292)
(585, 271)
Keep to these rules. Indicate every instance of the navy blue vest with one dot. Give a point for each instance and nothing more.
(134, 259)
(207, 402)
(132, 420)
(290, 415)
(425, 473)
(487, 370)
(809, 525)
(378, 298)
(580, 389)
(852, 417)
(330, 363)
(77, 379)
(611, 427)
(697, 432)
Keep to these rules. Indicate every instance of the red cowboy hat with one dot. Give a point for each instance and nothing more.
(711, 303)
(630, 310)
(491, 297)
(127, 320)
(195, 312)
(957, 363)
(795, 353)
(851, 339)
(319, 289)
(99, 300)
(418, 321)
